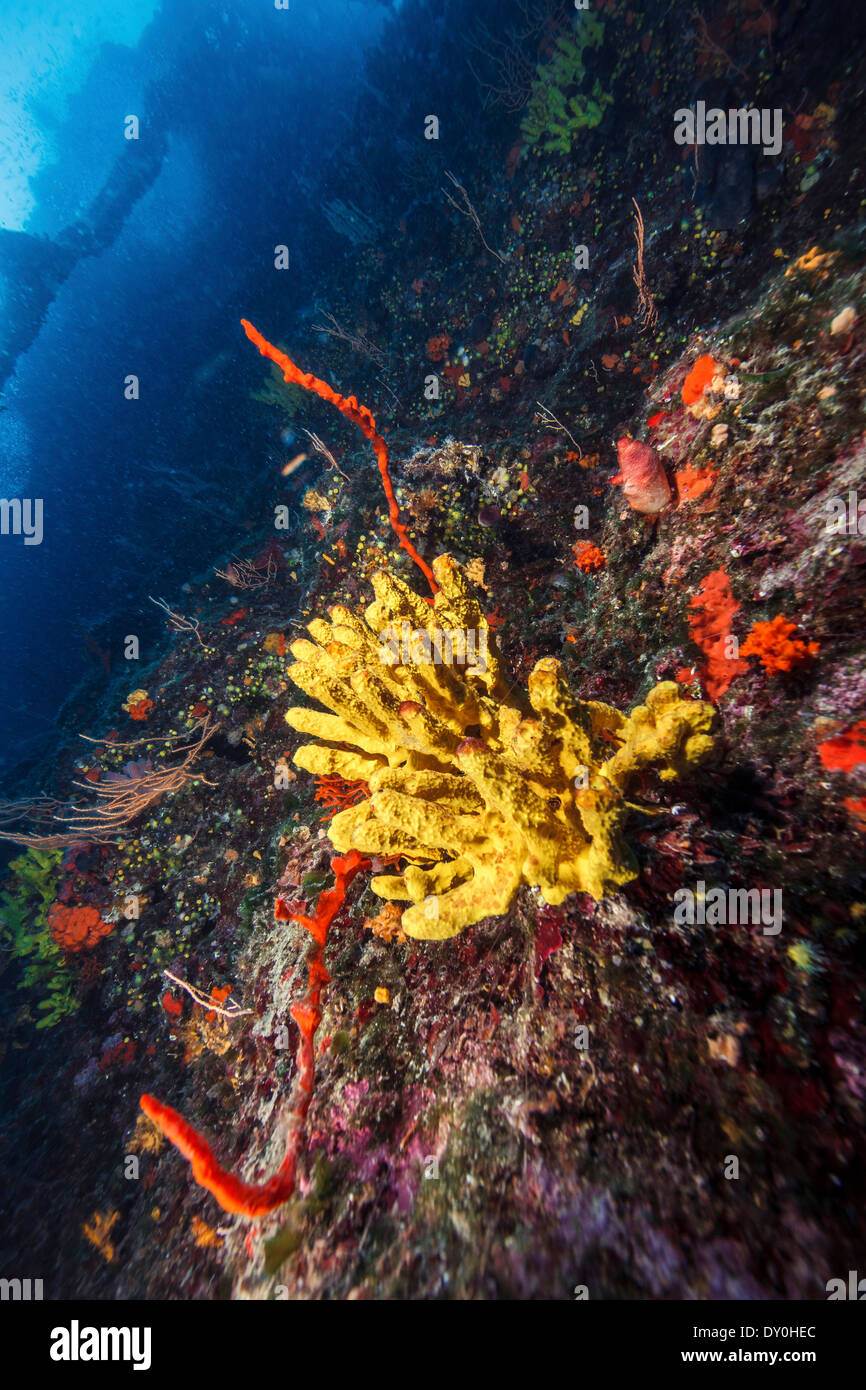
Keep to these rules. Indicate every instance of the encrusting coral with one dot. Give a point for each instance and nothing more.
(712, 609)
(588, 557)
(76, 928)
(477, 788)
(775, 646)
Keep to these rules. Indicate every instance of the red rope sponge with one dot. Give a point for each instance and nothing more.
(232, 1193)
(360, 416)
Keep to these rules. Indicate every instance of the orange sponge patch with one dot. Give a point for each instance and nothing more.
(775, 647)
(588, 557)
(694, 482)
(846, 751)
(76, 928)
(699, 379)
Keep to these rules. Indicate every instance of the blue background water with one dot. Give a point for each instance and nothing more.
(242, 108)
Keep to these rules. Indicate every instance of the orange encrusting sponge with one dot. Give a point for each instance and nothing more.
(698, 379)
(775, 646)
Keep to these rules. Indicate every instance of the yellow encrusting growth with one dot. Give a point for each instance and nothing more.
(478, 788)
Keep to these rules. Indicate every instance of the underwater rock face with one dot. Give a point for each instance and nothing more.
(493, 935)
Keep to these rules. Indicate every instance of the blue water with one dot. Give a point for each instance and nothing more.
(138, 257)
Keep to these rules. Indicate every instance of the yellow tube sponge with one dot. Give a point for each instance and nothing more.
(479, 788)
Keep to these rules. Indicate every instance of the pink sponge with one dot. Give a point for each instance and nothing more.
(642, 475)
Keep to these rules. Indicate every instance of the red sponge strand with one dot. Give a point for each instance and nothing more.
(360, 416)
(232, 1193)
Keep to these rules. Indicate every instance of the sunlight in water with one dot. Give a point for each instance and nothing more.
(46, 51)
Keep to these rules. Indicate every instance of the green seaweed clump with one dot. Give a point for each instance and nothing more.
(289, 399)
(558, 107)
(24, 933)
